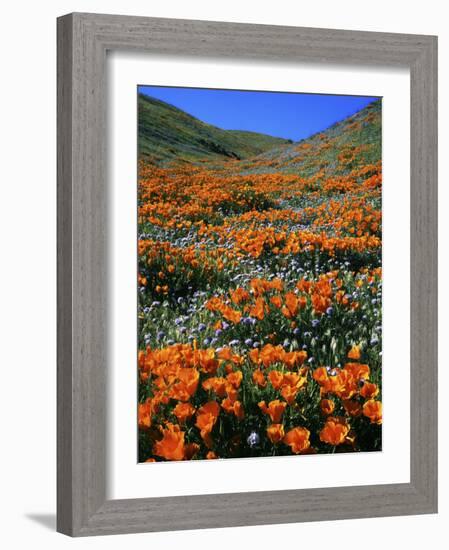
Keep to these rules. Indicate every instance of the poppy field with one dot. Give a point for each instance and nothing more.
(259, 290)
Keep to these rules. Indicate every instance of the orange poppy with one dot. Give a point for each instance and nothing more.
(293, 358)
(354, 353)
(270, 354)
(369, 390)
(183, 411)
(254, 355)
(259, 378)
(320, 303)
(291, 305)
(373, 410)
(234, 407)
(206, 417)
(275, 433)
(327, 406)
(231, 315)
(289, 394)
(227, 355)
(275, 409)
(190, 450)
(239, 295)
(343, 384)
(258, 310)
(141, 280)
(171, 446)
(276, 301)
(320, 375)
(353, 408)
(235, 378)
(357, 370)
(187, 384)
(144, 414)
(298, 439)
(276, 378)
(217, 384)
(207, 360)
(334, 432)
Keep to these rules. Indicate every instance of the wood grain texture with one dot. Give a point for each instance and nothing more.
(64, 276)
(83, 40)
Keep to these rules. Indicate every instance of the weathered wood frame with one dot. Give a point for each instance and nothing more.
(83, 40)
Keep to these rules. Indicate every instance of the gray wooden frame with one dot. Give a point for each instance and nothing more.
(83, 40)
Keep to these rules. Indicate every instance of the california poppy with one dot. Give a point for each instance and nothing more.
(259, 378)
(145, 412)
(354, 353)
(369, 390)
(183, 411)
(206, 417)
(171, 446)
(352, 407)
(334, 432)
(275, 433)
(275, 409)
(327, 406)
(216, 384)
(373, 410)
(298, 439)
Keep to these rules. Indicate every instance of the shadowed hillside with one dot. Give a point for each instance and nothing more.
(167, 133)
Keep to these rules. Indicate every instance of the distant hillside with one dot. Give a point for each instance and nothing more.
(167, 133)
(351, 143)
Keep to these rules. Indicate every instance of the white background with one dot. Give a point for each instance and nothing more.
(28, 270)
(392, 465)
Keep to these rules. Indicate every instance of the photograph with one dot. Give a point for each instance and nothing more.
(259, 273)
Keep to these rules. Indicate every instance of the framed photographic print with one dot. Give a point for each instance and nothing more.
(246, 274)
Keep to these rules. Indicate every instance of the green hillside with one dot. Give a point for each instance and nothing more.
(351, 143)
(167, 133)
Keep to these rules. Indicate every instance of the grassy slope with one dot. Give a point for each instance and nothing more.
(358, 135)
(167, 133)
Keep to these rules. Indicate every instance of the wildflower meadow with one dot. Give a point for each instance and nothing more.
(259, 289)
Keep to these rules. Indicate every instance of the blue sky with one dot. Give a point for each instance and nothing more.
(289, 115)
